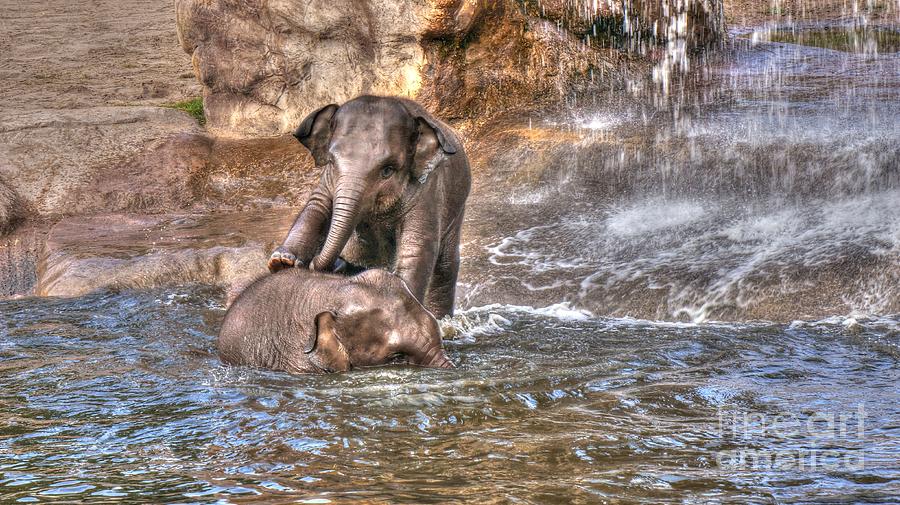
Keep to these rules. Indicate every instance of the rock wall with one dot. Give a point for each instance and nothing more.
(265, 64)
(83, 83)
(12, 209)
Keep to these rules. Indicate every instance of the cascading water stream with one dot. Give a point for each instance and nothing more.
(759, 184)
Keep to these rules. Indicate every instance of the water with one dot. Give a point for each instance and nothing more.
(120, 396)
(700, 259)
(764, 184)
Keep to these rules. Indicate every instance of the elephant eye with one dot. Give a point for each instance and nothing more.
(387, 171)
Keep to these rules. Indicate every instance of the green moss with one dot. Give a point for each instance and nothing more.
(840, 39)
(194, 107)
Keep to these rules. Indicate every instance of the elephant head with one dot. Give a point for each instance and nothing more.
(381, 319)
(376, 148)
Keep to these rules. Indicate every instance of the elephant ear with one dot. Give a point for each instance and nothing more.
(315, 132)
(432, 146)
(326, 350)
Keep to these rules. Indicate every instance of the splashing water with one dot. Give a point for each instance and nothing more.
(120, 397)
(768, 187)
(716, 259)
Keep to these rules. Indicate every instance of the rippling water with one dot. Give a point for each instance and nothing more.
(121, 396)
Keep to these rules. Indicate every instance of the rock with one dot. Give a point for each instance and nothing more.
(12, 209)
(160, 177)
(511, 61)
(200, 172)
(19, 252)
(582, 18)
(151, 160)
(265, 65)
(51, 157)
(249, 173)
(87, 254)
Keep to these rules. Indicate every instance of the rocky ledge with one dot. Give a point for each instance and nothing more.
(116, 251)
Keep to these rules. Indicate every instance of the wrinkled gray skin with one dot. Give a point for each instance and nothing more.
(300, 321)
(392, 193)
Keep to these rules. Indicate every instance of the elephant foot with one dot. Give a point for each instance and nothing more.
(280, 259)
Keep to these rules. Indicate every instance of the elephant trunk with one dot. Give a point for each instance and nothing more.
(435, 357)
(345, 212)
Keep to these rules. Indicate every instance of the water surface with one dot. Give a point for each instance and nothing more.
(120, 396)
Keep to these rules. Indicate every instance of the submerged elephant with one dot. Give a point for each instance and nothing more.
(392, 194)
(301, 321)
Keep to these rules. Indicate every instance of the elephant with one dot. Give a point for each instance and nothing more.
(392, 193)
(301, 321)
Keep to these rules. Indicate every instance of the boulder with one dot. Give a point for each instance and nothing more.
(265, 65)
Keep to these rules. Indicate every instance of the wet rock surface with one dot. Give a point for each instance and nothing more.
(117, 251)
(256, 173)
(19, 253)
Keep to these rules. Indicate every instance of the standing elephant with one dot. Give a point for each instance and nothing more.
(392, 194)
(301, 321)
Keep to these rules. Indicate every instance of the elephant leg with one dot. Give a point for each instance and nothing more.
(303, 239)
(417, 252)
(442, 291)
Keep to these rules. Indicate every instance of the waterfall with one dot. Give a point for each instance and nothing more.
(757, 182)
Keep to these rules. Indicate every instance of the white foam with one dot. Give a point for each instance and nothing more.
(562, 311)
(712, 256)
(653, 215)
(529, 197)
